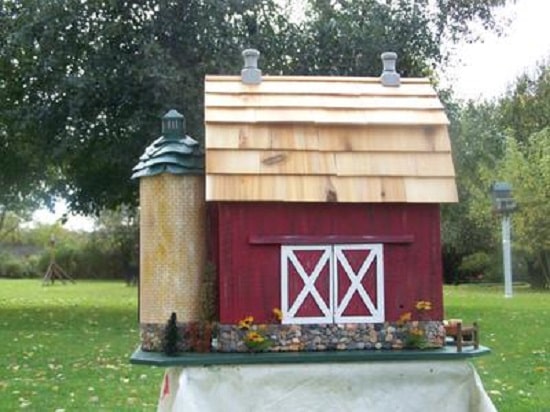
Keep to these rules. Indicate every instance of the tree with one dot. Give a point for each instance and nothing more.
(118, 231)
(346, 37)
(88, 82)
(526, 107)
(478, 147)
(527, 168)
(525, 114)
(503, 140)
(85, 83)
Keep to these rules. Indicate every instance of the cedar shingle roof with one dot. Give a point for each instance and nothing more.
(339, 139)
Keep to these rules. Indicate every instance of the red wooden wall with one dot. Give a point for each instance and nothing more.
(245, 241)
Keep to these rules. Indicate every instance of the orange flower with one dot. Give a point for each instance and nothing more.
(278, 314)
(404, 318)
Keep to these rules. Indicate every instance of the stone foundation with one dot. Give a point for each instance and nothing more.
(205, 337)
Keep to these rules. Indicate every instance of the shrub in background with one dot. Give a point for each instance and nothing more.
(110, 252)
(14, 267)
(475, 267)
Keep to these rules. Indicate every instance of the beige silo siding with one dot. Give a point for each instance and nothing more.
(172, 247)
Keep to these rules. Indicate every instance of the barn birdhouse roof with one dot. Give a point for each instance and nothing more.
(317, 139)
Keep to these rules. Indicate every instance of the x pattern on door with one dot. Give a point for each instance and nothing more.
(324, 272)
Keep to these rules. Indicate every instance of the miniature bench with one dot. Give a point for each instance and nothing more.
(463, 335)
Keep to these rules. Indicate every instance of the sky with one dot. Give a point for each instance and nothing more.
(488, 68)
(479, 71)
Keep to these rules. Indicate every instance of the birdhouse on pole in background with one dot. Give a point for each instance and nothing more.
(503, 202)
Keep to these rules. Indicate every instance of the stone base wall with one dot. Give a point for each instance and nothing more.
(205, 337)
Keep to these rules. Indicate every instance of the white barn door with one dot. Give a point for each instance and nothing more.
(358, 283)
(306, 284)
(326, 284)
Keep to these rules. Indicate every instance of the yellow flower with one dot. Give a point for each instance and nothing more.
(278, 314)
(416, 332)
(254, 337)
(246, 322)
(425, 305)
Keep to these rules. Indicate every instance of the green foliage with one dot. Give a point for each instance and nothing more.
(110, 252)
(525, 109)
(171, 336)
(93, 260)
(479, 266)
(10, 223)
(469, 226)
(495, 141)
(527, 168)
(209, 293)
(526, 165)
(89, 80)
(17, 268)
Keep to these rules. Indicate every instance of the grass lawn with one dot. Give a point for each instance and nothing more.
(66, 347)
(517, 373)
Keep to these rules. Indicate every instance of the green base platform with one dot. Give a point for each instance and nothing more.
(449, 352)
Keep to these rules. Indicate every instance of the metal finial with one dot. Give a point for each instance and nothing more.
(389, 76)
(250, 74)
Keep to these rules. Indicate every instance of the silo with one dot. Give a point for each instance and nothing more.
(172, 229)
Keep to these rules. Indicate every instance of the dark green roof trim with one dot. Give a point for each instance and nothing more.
(449, 353)
(176, 155)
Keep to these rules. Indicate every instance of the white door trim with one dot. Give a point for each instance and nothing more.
(289, 309)
(375, 308)
(333, 310)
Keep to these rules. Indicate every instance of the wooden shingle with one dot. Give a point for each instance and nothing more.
(322, 139)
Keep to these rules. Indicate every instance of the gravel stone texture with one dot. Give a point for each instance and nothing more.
(294, 338)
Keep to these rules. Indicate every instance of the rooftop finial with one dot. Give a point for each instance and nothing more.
(389, 76)
(250, 74)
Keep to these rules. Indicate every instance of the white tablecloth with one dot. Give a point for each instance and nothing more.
(408, 386)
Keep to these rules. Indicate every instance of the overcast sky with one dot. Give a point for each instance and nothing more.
(490, 67)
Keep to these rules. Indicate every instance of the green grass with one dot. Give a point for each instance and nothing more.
(66, 347)
(517, 373)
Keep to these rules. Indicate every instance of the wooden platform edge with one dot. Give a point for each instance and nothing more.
(449, 353)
